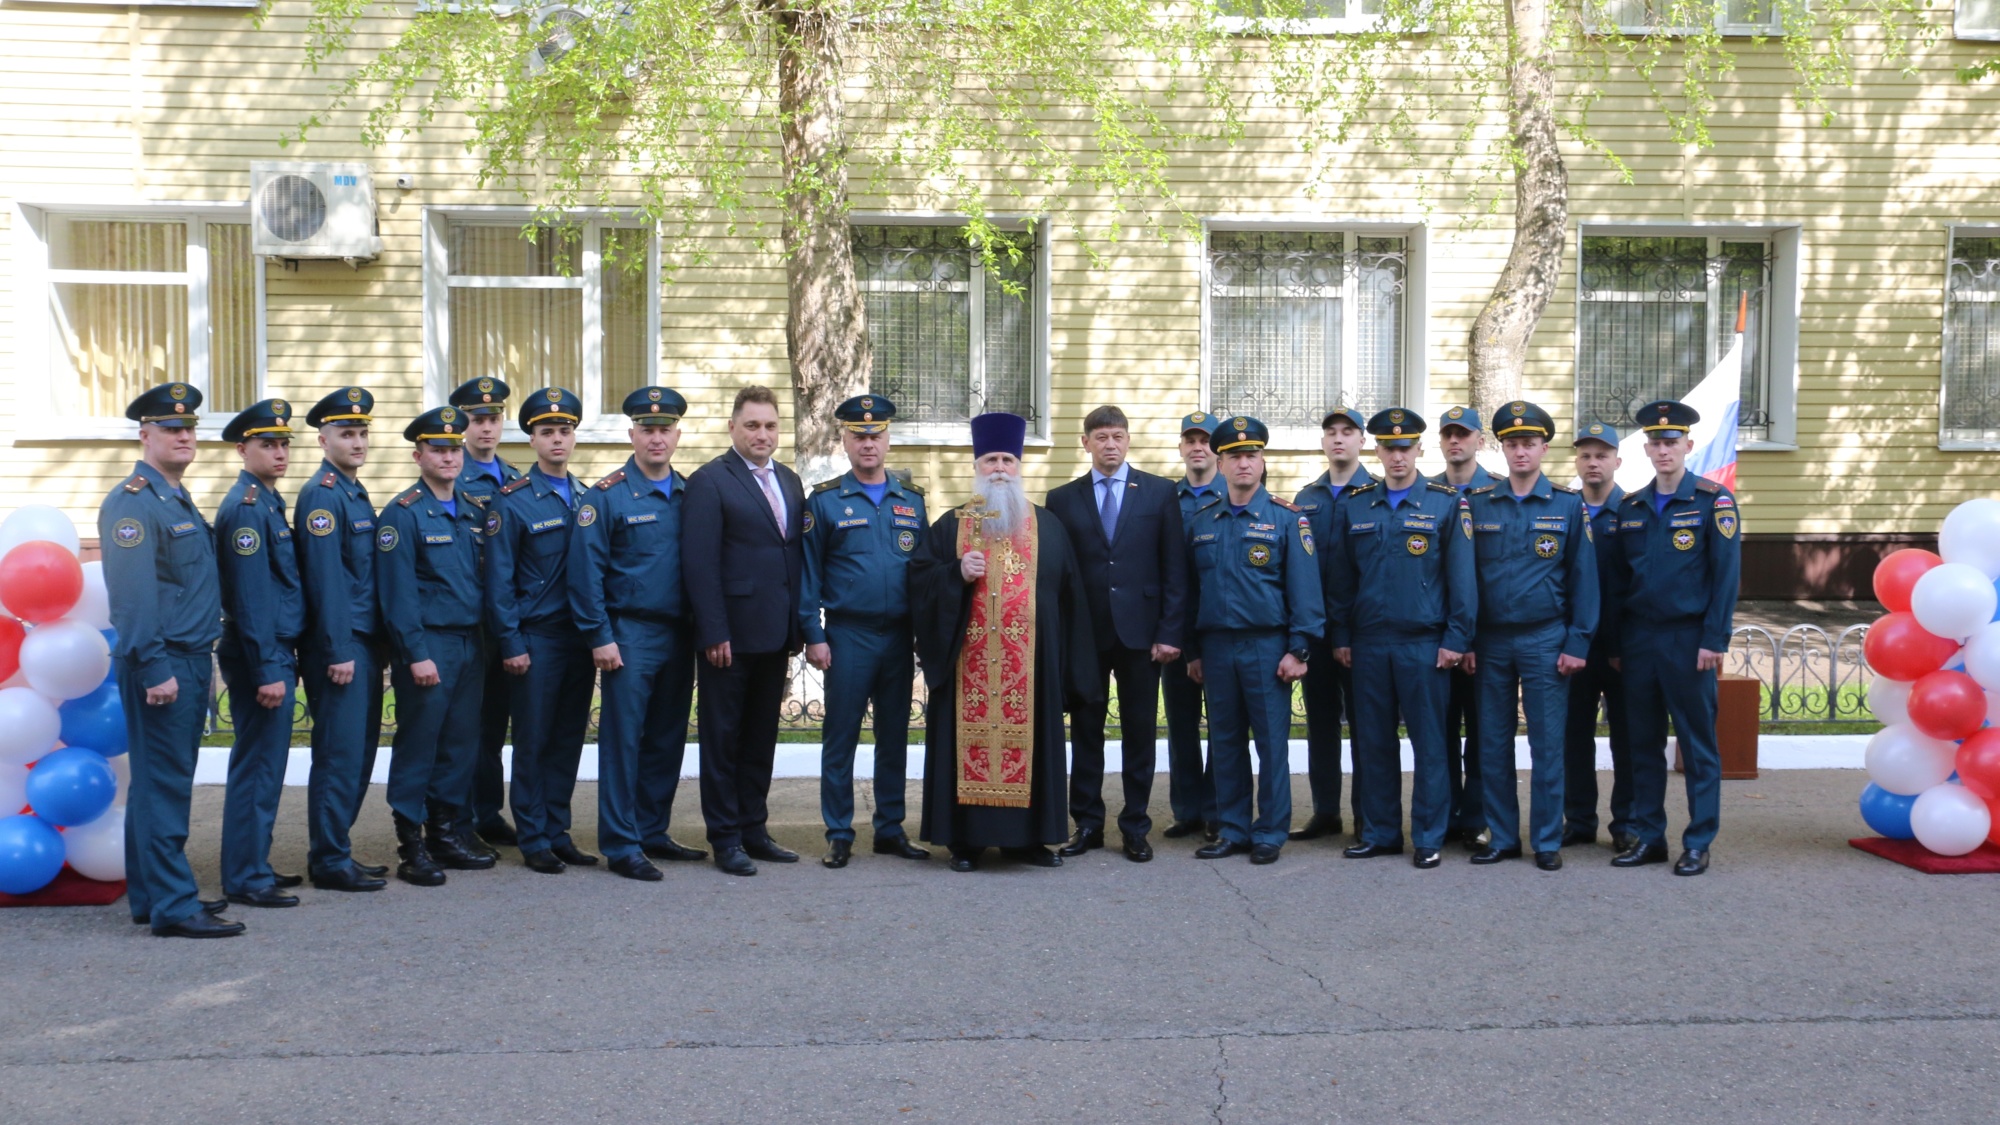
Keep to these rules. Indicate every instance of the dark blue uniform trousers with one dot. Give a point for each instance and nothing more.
(1660, 680)
(1519, 665)
(346, 730)
(1329, 698)
(1461, 753)
(1597, 680)
(642, 733)
(870, 664)
(551, 706)
(1391, 679)
(1239, 672)
(1190, 780)
(1138, 728)
(437, 728)
(164, 743)
(257, 763)
(489, 778)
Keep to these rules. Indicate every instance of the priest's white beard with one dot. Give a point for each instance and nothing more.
(1001, 495)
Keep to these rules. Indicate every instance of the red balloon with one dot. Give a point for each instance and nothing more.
(40, 581)
(1947, 705)
(1979, 763)
(11, 635)
(1897, 648)
(1896, 575)
(1993, 836)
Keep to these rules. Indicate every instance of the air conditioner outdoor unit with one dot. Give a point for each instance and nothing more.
(313, 211)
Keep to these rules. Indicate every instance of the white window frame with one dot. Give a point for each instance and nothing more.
(960, 434)
(597, 425)
(1415, 381)
(1962, 31)
(1772, 26)
(1316, 25)
(34, 291)
(1784, 307)
(146, 3)
(1952, 235)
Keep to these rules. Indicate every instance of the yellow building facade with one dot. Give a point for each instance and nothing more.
(1866, 253)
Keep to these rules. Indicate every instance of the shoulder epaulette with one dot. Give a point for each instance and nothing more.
(478, 501)
(614, 478)
(1285, 504)
(135, 483)
(825, 485)
(250, 495)
(1482, 489)
(909, 482)
(327, 478)
(1703, 484)
(513, 486)
(1440, 486)
(1563, 488)
(1208, 498)
(1359, 488)
(1631, 498)
(409, 497)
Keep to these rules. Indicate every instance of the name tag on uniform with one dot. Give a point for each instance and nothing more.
(284, 532)
(1353, 527)
(905, 521)
(857, 521)
(1266, 536)
(1485, 527)
(1630, 525)
(1551, 523)
(903, 510)
(549, 524)
(1691, 519)
(1424, 523)
(1308, 507)
(1205, 537)
(364, 525)
(179, 529)
(644, 517)
(434, 539)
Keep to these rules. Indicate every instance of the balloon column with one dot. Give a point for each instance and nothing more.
(60, 719)
(1934, 769)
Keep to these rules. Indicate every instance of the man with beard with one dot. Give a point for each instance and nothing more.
(1003, 632)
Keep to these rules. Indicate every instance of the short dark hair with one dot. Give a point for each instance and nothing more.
(1104, 417)
(754, 392)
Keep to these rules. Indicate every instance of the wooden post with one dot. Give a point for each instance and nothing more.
(1738, 708)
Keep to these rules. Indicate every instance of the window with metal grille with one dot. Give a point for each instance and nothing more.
(1656, 314)
(1686, 17)
(1972, 341)
(952, 337)
(1301, 322)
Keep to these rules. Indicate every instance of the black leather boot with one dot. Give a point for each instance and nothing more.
(448, 849)
(417, 868)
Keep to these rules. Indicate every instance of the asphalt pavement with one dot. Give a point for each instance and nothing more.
(1799, 980)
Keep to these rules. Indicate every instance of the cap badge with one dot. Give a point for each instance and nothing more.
(1518, 409)
(354, 394)
(867, 404)
(448, 414)
(653, 393)
(486, 386)
(1241, 423)
(177, 391)
(555, 394)
(280, 407)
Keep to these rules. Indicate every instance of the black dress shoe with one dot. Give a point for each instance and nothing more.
(1033, 856)
(372, 870)
(1321, 824)
(1575, 836)
(1138, 850)
(1086, 839)
(900, 847)
(1491, 854)
(500, 832)
(964, 859)
(574, 856)
(732, 861)
(1693, 861)
(1181, 828)
(1423, 859)
(544, 861)
(353, 877)
(837, 853)
(675, 852)
(1624, 842)
(286, 881)
(635, 867)
(201, 926)
(1639, 855)
(1211, 831)
(208, 906)
(768, 850)
(1264, 853)
(268, 897)
(1221, 849)
(1476, 840)
(1549, 861)
(1370, 851)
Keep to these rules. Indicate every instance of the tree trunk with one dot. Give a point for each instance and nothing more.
(826, 325)
(1500, 335)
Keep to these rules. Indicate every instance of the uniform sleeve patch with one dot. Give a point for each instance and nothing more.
(386, 539)
(245, 540)
(319, 521)
(493, 523)
(808, 520)
(1725, 522)
(1306, 535)
(128, 533)
(586, 515)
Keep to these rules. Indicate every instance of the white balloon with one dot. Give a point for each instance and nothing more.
(1954, 600)
(35, 522)
(65, 659)
(1982, 655)
(1950, 819)
(1889, 700)
(13, 789)
(97, 849)
(29, 725)
(121, 768)
(94, 607)
(1971, 535)
(1906, 761)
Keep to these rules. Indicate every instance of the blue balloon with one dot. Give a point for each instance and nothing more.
(96, 720)
(31, 854)
(73, 785)
(111, 638)
(1887, 813)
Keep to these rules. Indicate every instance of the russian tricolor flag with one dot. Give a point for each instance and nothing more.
(1718, 398)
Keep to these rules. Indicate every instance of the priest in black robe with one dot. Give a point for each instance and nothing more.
(994, 754)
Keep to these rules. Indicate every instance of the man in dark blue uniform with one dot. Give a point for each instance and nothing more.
(263, 616)
(341, 656)
(1597, 464)
(1257, 607)
(861, 530)
(1405, 603)
(1674, 601)
(1537, 615)
(1461, 437)
(427, 576)
(159, 566)
(483, 402)
(528, 529)
(1329, 685)
(1190, 782)
(626, 594)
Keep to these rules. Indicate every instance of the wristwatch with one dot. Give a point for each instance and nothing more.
(1301, 654)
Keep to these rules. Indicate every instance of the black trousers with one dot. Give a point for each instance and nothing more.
(1139, 727)
(1329, 697)
(737, 720)
(1461, 754)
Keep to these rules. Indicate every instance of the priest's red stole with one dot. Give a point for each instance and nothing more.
(996, 669)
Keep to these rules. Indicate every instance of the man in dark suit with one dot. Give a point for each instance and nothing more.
(742, 560)
(1125, 526)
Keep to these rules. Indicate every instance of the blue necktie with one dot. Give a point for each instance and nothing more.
(1107, 511)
